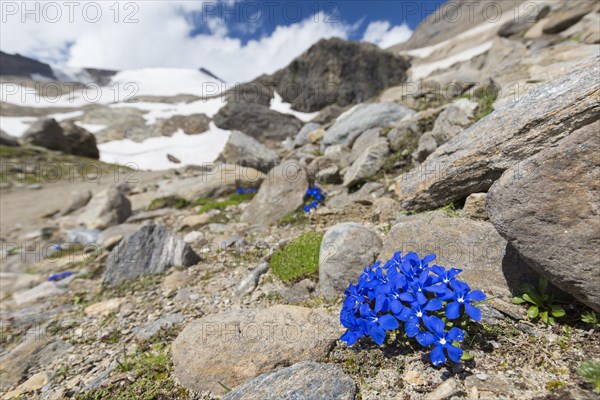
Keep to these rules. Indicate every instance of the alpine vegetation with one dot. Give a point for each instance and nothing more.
(426, 301)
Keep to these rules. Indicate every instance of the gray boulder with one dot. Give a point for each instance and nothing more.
(242, 150)
(257, 121)
(476, 157)
(368, 163)
(8, 140)
(81, 142)
(547, 207)
(475, 206)
(282, 192)
(150, 250)
(47, 133)
(470, 245)
(231, 347)
(306, 380)
(346, 250)
(302, 136)
(453, 120)
(427, 145)
(77, 200)
(106, 208)
(366, 139)
(190, 124)
(362, 117)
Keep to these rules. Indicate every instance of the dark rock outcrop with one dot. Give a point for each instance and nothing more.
(257, 121)
(17, 65)
(81, 142)
(49, 134)
(336, 71)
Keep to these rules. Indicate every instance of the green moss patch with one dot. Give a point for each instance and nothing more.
(212, 204)
(168, 202)
(298, 259)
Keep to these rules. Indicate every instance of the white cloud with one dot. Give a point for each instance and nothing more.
(161, 37)
(384, 35)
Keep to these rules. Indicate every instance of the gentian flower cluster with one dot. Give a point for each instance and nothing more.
(314, 196)
(59, 276)
(410, 293)
(245, 191)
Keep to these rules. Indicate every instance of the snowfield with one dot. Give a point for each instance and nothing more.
(151, 154)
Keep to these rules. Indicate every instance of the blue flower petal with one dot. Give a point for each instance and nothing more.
(428, 258)
(454, 353)
(437, 355)
(388, 322)
(433, 305)
(435, 325)
(476, 295)
(412, 327)
(453, 310)
(425, 338)
(473, 312)
(456, 334)
(377, 334)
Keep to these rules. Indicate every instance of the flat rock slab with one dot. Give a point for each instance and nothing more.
(471, 161)
(306, 380)
(548, 209)
(234, 346)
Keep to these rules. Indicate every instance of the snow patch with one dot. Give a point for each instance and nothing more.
(16, 126)
(151, 154)
(166, 82)
(277, 104)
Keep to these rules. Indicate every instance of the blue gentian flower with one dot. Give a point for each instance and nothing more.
(313, 197)
(407, 291)
(442, 341)
(377, 325)
(59, 277)
(463, 296)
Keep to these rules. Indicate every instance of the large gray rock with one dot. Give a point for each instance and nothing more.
(190, 124)
(368, 163)
(427, 145)
(346, 250)
(242, 150)
(281, 193)
(81, 142)
(77, 200)
(362, 117)
(7, 140)
(452, 120)
(47, 133)
(473, 246)
(218, 179)
(306, 380)
(302, 136)
(237, 345)
(150, 250)
(258, 121)
(336, 71)
(476, 157)
(547, 207)
(106, 208)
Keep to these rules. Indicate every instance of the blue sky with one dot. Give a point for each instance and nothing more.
(237, 40)
(251, 19)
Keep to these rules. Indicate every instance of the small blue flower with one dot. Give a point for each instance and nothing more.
(441, 340)
(416, 313)
(464, 296)
(376, 325)
(59, 277)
